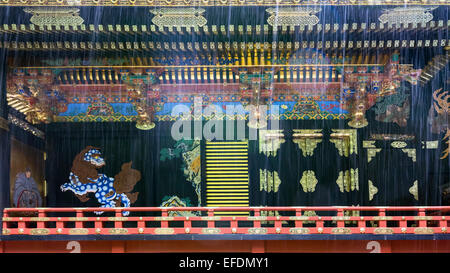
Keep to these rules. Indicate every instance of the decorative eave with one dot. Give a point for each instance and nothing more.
(218, 3)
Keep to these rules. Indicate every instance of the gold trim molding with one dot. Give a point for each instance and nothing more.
(307, 140)
(197, 3)
(78, 231)
(345, 141)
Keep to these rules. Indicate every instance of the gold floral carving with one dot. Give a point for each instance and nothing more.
(257, 230)
(270, 213)
(372, 190)
(383, 231)
(78, 231)
(163, 231)
(56, 16)
(411, 153)
(308, 181)
(345, 141)
(341, 231)
(118, 231)
(309, 213)
(423, 230)
(210, 230)
(270, 141)
(299, 230)
(371, 153)
(430, 144)
(414, 190)
(39, 231)
(269, 181)
(348, 180)
(307, 140)
(399, 144)
(179, 17)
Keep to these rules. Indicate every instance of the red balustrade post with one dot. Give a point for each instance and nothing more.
(443, 224)
(79, 216)
(298, 213)
(422, 221)
(164, 222)
(118, 219)
(340, 214)
(257, 223)
(41, 216)
(382, 215)
(210, 214)
(5, 223)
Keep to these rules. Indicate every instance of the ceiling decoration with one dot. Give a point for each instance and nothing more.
(407, 15)
(289, 16)
(179, 17)
(54, 16)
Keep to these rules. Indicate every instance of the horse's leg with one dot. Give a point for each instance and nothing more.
(125, 202)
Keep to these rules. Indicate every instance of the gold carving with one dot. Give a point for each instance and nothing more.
(372, 190)
(293, 16)
(372, 153)
(345, 141)
(447, 151)
(299, 230)
(423, 218)
(118, 219)
(257, 218)
(6, 231)
(382, 218)
(78, 231)
(56, 16)
(39, 231)
(430, 144)
(164, 231)
(210, 230)
(411, 153)
(348, 180)
(407, 15)
(163, 218)
(341, 231)
(179, 17)
(399, 144)
(269, 181)
(118, 231)
(383, 231)
(422, 230)
(270, 141)
(211, 218)
(299, 218)
(6, 219)
(257, 230)
(369, 144)
(414, 190)
(307, 140)
(78, 219)
(308, 181)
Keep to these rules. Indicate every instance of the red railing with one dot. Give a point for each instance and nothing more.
(204, 220)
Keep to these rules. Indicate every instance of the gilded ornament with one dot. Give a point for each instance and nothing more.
(447, 151)
(348, 180)
(341, 231)
(210, 230)
(423, 230)
(345, 141)
(299, 230)
(369, 144)
(78, 231)
(270, 141)
(372, 190)
(118, 219)
(371, 153)
(307, 140)
(164, 231)
(39, 231)
(257, 230)
(269, 181)
(383, 231)
(430, 144)
(6, 231)
(411, 153)
(407, 15)
(179, 17)
(78, 219)
(118, 231)
(293, 16)
(308, 181)
(399, 144)
(56, 16)
(414, 190)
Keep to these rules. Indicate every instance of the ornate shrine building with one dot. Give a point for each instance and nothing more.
(224, 125)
